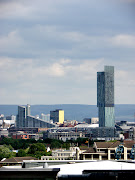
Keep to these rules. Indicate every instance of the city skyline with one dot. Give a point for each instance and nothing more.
(50, 51)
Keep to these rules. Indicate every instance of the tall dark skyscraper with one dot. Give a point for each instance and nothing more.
(105, 97)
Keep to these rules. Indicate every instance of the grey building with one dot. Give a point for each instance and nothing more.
(45, 117)
(72, 133)
(24, 119)
(28, 110)
(64, 136)
(21, 117)
(105, 97)
(103, 133)
(32, 122)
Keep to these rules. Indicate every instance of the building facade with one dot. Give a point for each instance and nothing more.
(21, 117)
(28, 110)
(25, 120)
(45, 117)
(105, 97)
(107, 151)
(32, 122)
(64, 136)
(62, 154)
(101, 133)
(57, 116)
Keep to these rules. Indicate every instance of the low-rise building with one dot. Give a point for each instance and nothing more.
(3, 132)
(15, 161)
(93, 120)
(64, 136)
(20, 135)
(63, 154)
(83, 131)
(107, 150)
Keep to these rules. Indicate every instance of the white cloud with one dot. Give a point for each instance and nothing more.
(86, 70)
(15, 70)
(23, 9)
(123, 40)
(10, 41)
(125, 84)
(64, 68)
(59, 44)
(24, 78)
(14, 9)
(56, 70)
(54, 41)
(121, 74)
(25, 69)
(74, 36)
(64, 61)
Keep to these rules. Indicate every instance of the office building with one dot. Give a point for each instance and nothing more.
(28, 110)
(23, 112)
(24, 119)
(57, 116)
(92, 120)
(32, 122)
(21, 117)
(64, 136)
(11, 118)
(45, 117)
(105, 97)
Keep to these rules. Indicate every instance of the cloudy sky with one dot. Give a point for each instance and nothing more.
(51, 50)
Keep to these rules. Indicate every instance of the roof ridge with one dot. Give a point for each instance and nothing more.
(109, 143)
(113, 143)
(15, 158)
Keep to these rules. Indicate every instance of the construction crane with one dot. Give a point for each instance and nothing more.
(119, 151)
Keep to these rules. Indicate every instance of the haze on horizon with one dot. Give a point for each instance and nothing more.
(50, 51)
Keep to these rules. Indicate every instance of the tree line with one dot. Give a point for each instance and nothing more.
(31, 147)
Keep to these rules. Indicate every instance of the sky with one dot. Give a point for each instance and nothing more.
(51, 50)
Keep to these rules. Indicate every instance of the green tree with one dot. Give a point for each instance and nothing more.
(9, 147)
(56, 144)
(66, 145)
(17, 143)
(37, 147)
(49, 153)
(80, 141)
(7, 141)
(5, 152)
(21, 153)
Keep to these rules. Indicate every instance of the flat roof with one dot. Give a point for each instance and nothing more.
(78, 168)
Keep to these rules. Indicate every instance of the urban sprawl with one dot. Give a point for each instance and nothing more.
(95, 138)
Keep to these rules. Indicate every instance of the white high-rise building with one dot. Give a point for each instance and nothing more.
(45, 117)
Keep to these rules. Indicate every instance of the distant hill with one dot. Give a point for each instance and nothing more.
(74, 111)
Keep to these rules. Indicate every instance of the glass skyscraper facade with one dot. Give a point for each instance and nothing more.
(21, 117)
(23, 112)
(105, 97)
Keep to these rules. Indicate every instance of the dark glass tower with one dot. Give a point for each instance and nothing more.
(105, 97)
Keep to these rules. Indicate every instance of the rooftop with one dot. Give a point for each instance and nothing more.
(127, 144)
(18, 159)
